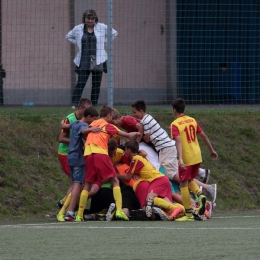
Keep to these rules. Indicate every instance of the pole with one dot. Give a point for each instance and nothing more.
(2, 72)
(110, 94)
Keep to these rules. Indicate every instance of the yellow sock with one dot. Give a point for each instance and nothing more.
(161, 203)
(194, 188)
(185, 196)
(118, 197)
(82, 202)
(64, 199)
(65, 205)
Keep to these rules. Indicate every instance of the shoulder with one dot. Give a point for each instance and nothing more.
(100, 26)
(79, 26)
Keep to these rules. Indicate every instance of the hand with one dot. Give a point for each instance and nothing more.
(134, 135)
(214, 155)
(64, 125)
(181, 164)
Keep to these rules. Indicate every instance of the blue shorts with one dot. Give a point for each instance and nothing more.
(78, 173)
(174, 184)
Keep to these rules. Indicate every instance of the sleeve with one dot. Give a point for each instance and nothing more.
(111, 129)
(66, 131)
(129, 122)
(71, 36)
(135, 167)
(145, 124)
(199, 129)
(174, 131)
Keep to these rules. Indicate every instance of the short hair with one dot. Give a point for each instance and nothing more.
(90, 111)
(90, 13)
(112, 144)
(115, 114)
(83, 102)
(133, 146)
(179, 105)
(139, 105)
(105, 110)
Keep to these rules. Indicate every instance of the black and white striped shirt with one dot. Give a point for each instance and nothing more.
(158, 136)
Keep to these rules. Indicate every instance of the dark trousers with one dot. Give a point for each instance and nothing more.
(82, 80)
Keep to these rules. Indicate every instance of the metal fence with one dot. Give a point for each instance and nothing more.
(204, 51)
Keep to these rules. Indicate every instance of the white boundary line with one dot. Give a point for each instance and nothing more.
(58, 226)
(70, 225)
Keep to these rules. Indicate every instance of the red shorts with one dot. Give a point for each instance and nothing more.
(99, 167)
(64, 163)
(190, 172)
(142, 191)
(162, 187)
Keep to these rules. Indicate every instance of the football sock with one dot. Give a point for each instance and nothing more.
(82, 202)
(194, 188)
(118, 197)
(65, 205)
(185, 195)
(201, 173)
(161, 203)
(64, 199)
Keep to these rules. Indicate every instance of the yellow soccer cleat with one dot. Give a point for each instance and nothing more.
(185, 219)
(60, 217)
(78, 219)
(121, 215)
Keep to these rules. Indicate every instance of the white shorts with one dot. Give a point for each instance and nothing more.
(168, 159)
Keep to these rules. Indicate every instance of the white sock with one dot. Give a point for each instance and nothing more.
(201, 173)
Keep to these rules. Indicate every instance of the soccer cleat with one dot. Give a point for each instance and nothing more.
(197, 216)
(185, 219)
(148, 208)
(70, 217)
(212, 192)
(202, 205)
(121, 215)
(111, 212)
(162, 214)
(60, 217)
(60, 204)
(78, 219)
(207, 175)
(174, 213)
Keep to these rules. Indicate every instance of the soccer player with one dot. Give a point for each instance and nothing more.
(76, 160)
(98, 164)
(128, 123)
(184, 130)
(152, 187)
(64, 140)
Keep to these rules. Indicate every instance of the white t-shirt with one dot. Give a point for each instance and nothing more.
(152, 156)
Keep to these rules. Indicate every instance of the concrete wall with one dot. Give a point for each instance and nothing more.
(38, 59)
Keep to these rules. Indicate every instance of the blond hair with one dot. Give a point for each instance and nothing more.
(115, 114)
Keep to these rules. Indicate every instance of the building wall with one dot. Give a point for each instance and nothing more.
(38, 60)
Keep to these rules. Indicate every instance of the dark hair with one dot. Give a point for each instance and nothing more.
(139, 105)
(84, 102)
(179, 105)
(105, 110)
(90, 111)
(90, 13)
(112, 144)
(133, 146)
